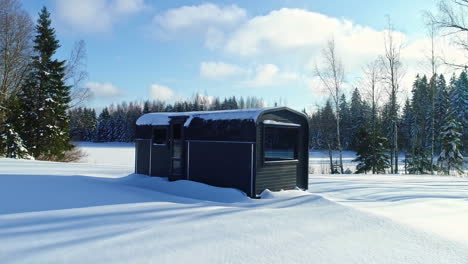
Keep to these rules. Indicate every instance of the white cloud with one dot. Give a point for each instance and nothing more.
(103, 89)
(95, 15)
(270, 75)
(297, 30)
(160, 92)
(206, 19)
(219, 70)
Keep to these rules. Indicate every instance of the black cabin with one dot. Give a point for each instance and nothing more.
(251, 150)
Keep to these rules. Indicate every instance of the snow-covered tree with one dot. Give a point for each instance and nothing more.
(371, 153)
(450, 158)
(12, 144)
(45, 98)
(441, 105)
(459, 104)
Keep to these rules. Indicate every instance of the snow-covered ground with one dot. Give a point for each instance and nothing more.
(95, 213)
(111, 153)
(435, 204)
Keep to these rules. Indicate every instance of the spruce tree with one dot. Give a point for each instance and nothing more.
(11, 143)
(345, 125)
(45, 98)
(371, 153)
(357, 117)
(441, 105)
(450, 158)
(419, 159)
(459, 104)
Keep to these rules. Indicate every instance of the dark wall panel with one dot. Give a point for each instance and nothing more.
(160, 160)
(221, 130)
(221, 164)
(142, 156)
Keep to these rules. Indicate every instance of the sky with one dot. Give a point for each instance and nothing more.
(170, 50)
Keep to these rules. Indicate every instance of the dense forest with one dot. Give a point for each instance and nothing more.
(116, 123)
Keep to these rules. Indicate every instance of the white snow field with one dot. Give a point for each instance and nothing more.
(435, 204)
(111, 153)
(92, 213)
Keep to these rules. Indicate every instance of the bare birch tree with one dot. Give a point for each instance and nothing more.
(450, 19)
(332, 76)
(392, 75)
(76, 74)
(434, 62)
(16, 29)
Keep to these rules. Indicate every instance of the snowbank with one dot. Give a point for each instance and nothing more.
(59, 213)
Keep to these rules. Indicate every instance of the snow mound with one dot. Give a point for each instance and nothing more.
(186, 189)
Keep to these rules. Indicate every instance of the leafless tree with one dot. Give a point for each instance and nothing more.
(332, 76)
(16, 29)
(450, 19)
(371, 87)
(392, 75)
(432, 32)
(76, 74)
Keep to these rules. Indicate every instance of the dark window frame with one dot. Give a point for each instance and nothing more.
(296, 148)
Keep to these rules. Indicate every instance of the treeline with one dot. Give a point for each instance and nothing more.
(433, 123)
(116, 123)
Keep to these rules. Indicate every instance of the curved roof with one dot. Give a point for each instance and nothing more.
(242, 114)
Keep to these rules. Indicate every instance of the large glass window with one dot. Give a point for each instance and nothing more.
(160, 136)
(280, 143)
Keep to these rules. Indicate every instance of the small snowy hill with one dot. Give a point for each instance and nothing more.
(83, 213)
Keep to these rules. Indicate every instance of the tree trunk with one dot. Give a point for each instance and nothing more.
(330, 155)
(396, 146)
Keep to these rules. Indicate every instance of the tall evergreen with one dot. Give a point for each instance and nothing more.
(450, 158)
(358, 112)
(345, 125)
(441, 105)
(419, 159)
(459, 104)
(45, 98)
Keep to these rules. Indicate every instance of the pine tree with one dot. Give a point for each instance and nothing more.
(14, 144)
(450, 158)
(357, 118)
(441, 105)
(11, 143)
(104, 128)
(371, 153)
(345, 125)
(45, 98)
(459, 104)
(419, 159)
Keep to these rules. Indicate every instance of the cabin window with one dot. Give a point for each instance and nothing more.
(280, 143)
(160, 136)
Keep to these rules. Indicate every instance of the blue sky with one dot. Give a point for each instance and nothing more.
(143, 49)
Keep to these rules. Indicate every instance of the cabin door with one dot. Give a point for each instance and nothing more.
(177, 151)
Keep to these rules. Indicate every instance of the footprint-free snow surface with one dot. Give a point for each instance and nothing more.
(88, 213)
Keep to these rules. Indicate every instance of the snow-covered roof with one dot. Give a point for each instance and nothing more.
(272, 122)
(164, 118)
